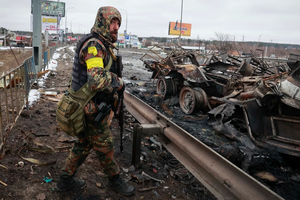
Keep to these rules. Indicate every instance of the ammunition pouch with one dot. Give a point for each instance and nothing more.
(70, 110)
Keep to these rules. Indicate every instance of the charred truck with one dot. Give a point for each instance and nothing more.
(243, 96)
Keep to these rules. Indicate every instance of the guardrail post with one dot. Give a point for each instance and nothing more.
(45, 60)
(136, 145)
(35, 74)
(138, 131)
(27, 84)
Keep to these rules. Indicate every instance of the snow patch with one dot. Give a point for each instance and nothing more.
(72, 48)
(34, 95)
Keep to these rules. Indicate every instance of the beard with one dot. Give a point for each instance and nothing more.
(114, 36)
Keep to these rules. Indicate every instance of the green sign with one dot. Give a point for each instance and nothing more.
(52, 8)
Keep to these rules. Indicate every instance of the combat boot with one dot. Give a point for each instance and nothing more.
(69, 183)
(120, 186)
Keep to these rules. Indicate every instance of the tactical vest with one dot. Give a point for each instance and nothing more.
(79, 74)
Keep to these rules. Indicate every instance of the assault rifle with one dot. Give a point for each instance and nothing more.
(120, 109)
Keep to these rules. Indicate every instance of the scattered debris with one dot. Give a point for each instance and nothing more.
(53, 99)
(98, 185)
(41, 196)
(50, 93)
(266, 175)
(156, 143)
(49, 174)
(156, 193)
(66, 138)
(3, 183)
(147, 189)
(14, 82)
(125, 170)
(36, 161)
(47, 180)
(155, 179)
(20, 164)
(131, 168)
(31, 168)
(3, 166)
(42, 73)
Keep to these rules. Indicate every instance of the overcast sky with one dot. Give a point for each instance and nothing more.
(264, 20)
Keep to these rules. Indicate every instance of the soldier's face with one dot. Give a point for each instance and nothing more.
(113, 29)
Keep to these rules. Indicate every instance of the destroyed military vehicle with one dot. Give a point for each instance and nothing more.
(248, 99)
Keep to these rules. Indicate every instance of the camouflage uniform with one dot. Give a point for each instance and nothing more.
(95, 55)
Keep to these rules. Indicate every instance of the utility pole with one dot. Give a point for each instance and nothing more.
(37, 36)
(258, 40)
(126, 32)
(57, 23)
(199, 43)
(180, 23)
(66, 25)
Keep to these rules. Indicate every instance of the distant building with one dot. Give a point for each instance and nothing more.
(2, 40)
(198, 49)
(131, 41)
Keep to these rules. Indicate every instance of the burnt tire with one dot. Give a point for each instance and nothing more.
(166, 87)
(192, 100)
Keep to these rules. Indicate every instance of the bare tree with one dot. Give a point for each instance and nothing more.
(223, 43)
(245, 48)
(281, 52)
(148, 43)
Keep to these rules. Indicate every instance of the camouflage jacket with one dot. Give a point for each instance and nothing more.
(93, 54)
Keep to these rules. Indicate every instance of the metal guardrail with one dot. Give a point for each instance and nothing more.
(218, 175)
(14, 92)
(48, 55)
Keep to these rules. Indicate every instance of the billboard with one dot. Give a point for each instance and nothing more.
(174, 28)
(52, 8)
(121, 37)
(48, 23)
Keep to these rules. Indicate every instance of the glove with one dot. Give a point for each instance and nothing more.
(122, 87)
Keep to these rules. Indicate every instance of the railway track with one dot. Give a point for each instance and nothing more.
(221, 177)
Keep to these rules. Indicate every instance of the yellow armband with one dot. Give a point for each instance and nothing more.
(94, 62)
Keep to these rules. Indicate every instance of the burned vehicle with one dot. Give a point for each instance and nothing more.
(268, 112)
(180, 73)
(247, 99)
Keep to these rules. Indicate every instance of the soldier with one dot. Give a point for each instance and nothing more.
(94, 63)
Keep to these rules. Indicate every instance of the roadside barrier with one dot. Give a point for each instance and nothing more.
(14, 91)
(48, 55)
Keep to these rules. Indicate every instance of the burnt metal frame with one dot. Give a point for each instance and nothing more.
(281, 144)
(222, 178)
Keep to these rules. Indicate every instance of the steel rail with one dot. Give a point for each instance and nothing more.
(219, 176)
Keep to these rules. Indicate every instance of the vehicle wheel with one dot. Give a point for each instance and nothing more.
(192, 100)
(166, 87)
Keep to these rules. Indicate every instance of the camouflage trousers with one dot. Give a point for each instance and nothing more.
(98, 137)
